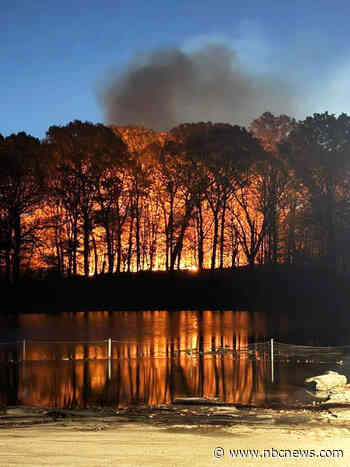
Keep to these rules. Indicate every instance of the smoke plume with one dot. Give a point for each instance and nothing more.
(171, 86)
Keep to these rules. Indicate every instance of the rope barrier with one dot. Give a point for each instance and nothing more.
(274, 350)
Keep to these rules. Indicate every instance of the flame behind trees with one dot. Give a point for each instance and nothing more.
(91, 199)
(219, 154)
(83, 183)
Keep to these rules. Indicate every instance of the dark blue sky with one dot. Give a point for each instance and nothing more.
(55, 55)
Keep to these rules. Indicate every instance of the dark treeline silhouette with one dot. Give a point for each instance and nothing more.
(90, 200)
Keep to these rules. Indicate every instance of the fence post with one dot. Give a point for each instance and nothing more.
(23, 350)
(109, 351)
(191, 363)
(109, 348)
(272, 360)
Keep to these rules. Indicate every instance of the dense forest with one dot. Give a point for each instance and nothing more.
(90, 199)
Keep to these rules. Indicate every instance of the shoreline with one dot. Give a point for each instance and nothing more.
(265, 288)
(169, 435)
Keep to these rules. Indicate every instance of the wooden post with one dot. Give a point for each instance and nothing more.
(109, 348)
(23, 359)
(272, 362)
(109, 352)
(23, 350)
(191, 364)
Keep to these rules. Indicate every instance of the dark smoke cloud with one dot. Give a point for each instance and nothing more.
(170, 87)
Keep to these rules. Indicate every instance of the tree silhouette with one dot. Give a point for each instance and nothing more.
(21, 191)
(318, 150)
(83, 152)
(91, 199)
(271, 131)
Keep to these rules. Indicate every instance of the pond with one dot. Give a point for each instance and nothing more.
(120, 359)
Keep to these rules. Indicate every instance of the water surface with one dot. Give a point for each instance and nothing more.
(156, 356)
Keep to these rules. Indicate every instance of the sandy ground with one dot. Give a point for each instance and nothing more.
(178, 436)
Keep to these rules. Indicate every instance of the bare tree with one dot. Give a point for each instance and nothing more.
(21, 192)
(82, 152)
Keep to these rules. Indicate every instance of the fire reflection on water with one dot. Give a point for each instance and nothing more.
(156, 357)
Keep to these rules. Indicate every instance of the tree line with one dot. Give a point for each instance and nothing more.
(90, 199)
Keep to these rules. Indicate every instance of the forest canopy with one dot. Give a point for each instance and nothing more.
(91, 199)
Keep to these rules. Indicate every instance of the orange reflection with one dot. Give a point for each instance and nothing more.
(151, 359)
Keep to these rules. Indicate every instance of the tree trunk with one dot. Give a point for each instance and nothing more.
(95, 253)
(179, 257)
(74, 247)
(152, 254)
(171, 228)
(234, 250)
(17, 247)
(130, 244)
(58, 253)
(119, 248)
(275, 238)
(222, 234)
(215, 240)
(138, 248)
(86, 233)
(291, 235)
(179, 243)
(110, 254)
(200, 233)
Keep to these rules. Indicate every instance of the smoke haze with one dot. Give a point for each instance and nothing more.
(171, 86)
